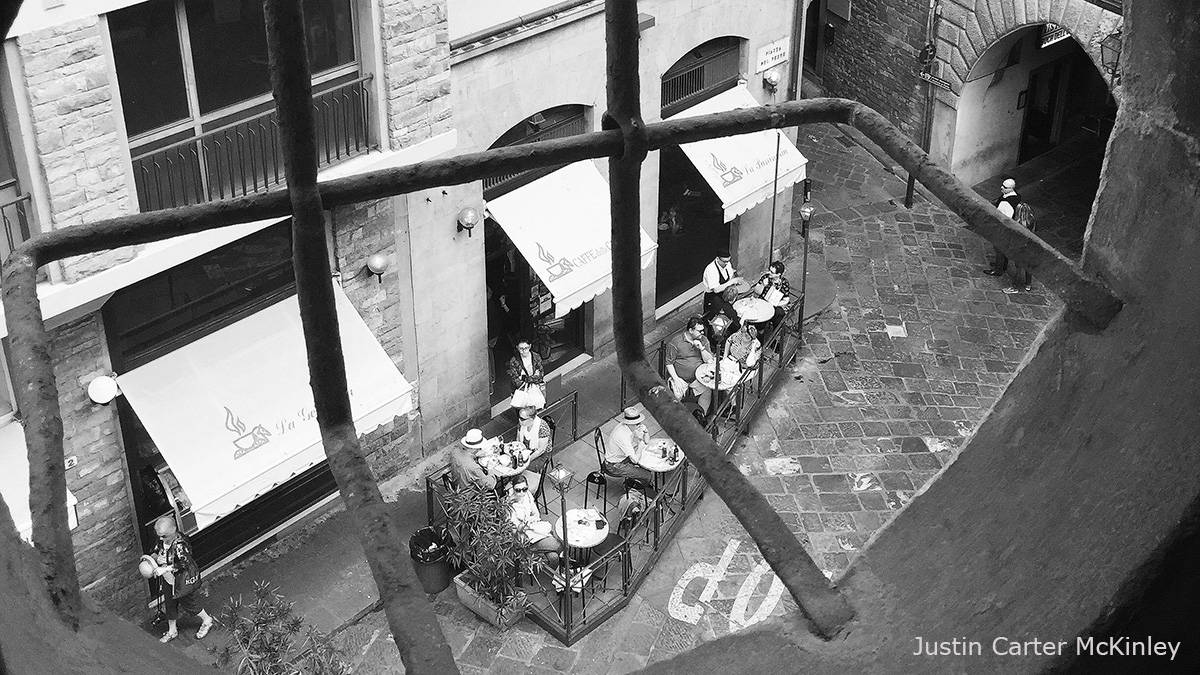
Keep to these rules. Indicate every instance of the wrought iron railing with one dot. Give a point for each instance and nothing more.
(570, 603)
(246, 156)
(713, 74)
(494, 186)
(16, 214)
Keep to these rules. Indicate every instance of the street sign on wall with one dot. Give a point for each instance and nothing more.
(771, 55)
(935, 81)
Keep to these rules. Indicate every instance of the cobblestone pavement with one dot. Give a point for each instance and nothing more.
(915, 349)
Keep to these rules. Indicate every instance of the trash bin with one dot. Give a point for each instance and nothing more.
(430, 551)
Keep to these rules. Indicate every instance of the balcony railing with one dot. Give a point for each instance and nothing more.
(16, 215)
(714, 74)
(246, 156)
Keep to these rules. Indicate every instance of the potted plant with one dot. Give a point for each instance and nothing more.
(491, 552)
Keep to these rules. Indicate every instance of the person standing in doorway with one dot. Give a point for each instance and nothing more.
(1007, 204)
(180, 576)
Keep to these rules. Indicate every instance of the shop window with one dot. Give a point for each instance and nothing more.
(16, 206)
(172, 308)
(195, 90)
(702, 73)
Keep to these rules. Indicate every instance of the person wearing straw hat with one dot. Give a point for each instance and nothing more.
(465, 465)
(625, 445)
(176, 566)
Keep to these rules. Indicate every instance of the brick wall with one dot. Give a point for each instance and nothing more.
(360, 231)
(75, 128)
(874, 59)
(105, 546)
(416, 70)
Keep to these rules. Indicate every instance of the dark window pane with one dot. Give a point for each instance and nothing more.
(149, 65)
(330, 33)
(229, 51)
(153, 316)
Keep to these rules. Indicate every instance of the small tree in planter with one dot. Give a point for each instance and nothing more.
(491, 551)
(262, 639)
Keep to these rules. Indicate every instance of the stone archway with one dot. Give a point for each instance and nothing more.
(969, 28)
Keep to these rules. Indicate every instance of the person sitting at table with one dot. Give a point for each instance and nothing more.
(744, 347)
(464, 464)
(525, 515)
(719, 276)
(685, 353)
(525, 370)
(625, 446)
(534, 433)
(775, 289)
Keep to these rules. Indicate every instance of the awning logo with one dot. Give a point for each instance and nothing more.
(728, 176)
(557, 268)
(245, 441)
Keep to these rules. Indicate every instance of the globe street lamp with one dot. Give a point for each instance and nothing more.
(560, 477)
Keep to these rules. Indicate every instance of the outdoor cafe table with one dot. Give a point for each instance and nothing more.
(731, 373)
(652, 459)
(754, 310)
(582, 530)
(498, 459)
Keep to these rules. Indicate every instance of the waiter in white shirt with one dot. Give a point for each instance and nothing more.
(719, 277)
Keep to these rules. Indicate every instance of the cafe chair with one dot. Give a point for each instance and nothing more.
(597, 478)
(539, 484)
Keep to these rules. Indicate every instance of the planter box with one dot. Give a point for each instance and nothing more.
(484, 608)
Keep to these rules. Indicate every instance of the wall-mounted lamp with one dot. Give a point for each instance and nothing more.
(468, 218)
(1110, 54)
(377, 264)
(771, 80)
(830, 35)
(103, 390)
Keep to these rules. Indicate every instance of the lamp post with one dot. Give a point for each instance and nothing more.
(806, 213)
(560, 477)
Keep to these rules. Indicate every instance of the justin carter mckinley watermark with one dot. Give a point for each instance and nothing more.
(1090, 646)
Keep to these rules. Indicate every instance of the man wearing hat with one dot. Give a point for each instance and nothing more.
(463, 459)
(625, 446)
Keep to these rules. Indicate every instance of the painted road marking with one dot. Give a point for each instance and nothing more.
(714, 574)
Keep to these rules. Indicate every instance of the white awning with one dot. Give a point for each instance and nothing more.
(232, 412)
(14, 480)
(562, 224)
(741, 169)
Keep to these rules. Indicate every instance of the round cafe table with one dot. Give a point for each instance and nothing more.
(754, 310)
(582, 531)
(651, 458)
(498, 461)
(731, 374)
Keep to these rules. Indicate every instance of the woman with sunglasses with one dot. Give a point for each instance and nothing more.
(525, 514)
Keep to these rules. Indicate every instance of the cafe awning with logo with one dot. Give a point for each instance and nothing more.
(232, 413)
(562, 224)
(741, 169)
(14, 480)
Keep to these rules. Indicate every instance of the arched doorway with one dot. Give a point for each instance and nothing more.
(691, 227)
(1035, 107)
(520, 305)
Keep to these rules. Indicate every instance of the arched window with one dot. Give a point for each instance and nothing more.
(702, 73)
(558, 122)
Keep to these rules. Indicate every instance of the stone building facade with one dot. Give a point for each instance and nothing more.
(64, 110)
(873, 56)
(69, 119)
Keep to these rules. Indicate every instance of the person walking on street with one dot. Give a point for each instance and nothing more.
(180, 576)
(1007, 205)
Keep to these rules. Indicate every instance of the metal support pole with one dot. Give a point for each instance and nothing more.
(931, 26)
(566, 559)
(415, 629)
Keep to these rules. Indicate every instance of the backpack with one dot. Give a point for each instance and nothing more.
(1024, 215)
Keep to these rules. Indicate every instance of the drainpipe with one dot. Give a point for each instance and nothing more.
(931, 26)
(793, 90)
